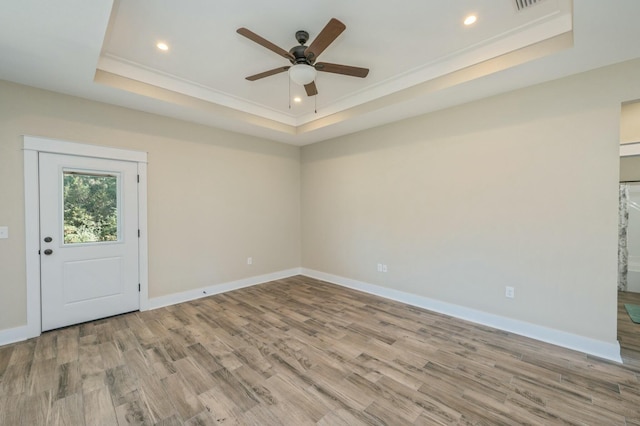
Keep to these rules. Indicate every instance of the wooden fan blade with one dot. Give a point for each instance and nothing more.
(329, 33)
(342, 69)
(311, 88)
(267, 73)
(264, 42)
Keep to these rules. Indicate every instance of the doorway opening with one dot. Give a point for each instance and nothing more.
(85, 259)
(629, 233)
(629, 265)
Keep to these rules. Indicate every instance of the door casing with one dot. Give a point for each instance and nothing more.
(32, 146)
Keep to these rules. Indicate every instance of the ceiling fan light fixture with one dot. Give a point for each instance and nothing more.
(302, 74)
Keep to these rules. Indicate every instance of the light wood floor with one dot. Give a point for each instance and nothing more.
(297, 352)
(628, 331)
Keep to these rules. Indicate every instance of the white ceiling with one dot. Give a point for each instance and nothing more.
(420, 55)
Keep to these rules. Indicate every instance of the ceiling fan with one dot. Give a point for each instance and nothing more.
(303, 58)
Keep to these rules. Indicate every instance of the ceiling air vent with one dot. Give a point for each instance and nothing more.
(524, 4)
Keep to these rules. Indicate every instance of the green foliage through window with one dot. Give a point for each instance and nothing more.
(90, 208)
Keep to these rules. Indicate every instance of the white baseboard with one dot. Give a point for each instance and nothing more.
(21, 333)
(606, 350)
(12, 335)
(185, 296)
(601, 349)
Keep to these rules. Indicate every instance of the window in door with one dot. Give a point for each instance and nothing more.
(91, 206)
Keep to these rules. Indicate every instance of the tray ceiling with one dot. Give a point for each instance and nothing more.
(420, 54)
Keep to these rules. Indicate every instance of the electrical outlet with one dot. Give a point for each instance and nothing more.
(509, 292)
(4, 232)
(384, 268)
(379, 267)
(249, 260)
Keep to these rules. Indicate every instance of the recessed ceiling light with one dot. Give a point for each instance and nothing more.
(297, 99)
(471, 19)
(162, 46)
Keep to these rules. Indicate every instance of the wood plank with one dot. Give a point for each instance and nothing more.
(220, 408)
(68, 380)
(5, 357)
(92, 373)
(199, 380)
(98, 409)
(42, 376)
(23, 352)
(67, 411)
(133, 411)
(46, 347)
(120, 382)
(201, 419)
(341, 417)
(12, 407)
(15, 380)
(68, 347)
(432, 409)
(156, 398)
(239, 393)
(285, 390)
(182, 397)
(39, 408)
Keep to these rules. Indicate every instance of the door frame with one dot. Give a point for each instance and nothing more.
(32, 147)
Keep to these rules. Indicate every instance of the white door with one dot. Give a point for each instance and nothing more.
(88, 238)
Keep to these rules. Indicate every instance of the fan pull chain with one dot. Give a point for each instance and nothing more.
(289, 92)
(315, 103)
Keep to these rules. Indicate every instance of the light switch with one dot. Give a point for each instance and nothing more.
(4, 232)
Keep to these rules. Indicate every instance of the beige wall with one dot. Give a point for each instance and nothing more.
(630, 133)
(215, 197)
(630, 123)
(517, 190)
(629, 169)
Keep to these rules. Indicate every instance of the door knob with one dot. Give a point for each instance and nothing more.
(48, 239)
(48, 252)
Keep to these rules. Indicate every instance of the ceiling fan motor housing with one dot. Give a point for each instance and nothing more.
(299, 56)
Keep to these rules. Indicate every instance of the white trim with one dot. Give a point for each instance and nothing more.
(553, 23)
(32, 146)
(17, 334)
(629, 149)
(185, 296)
(55, 146)
(143, 242)
(606, 350)
(32, 242)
